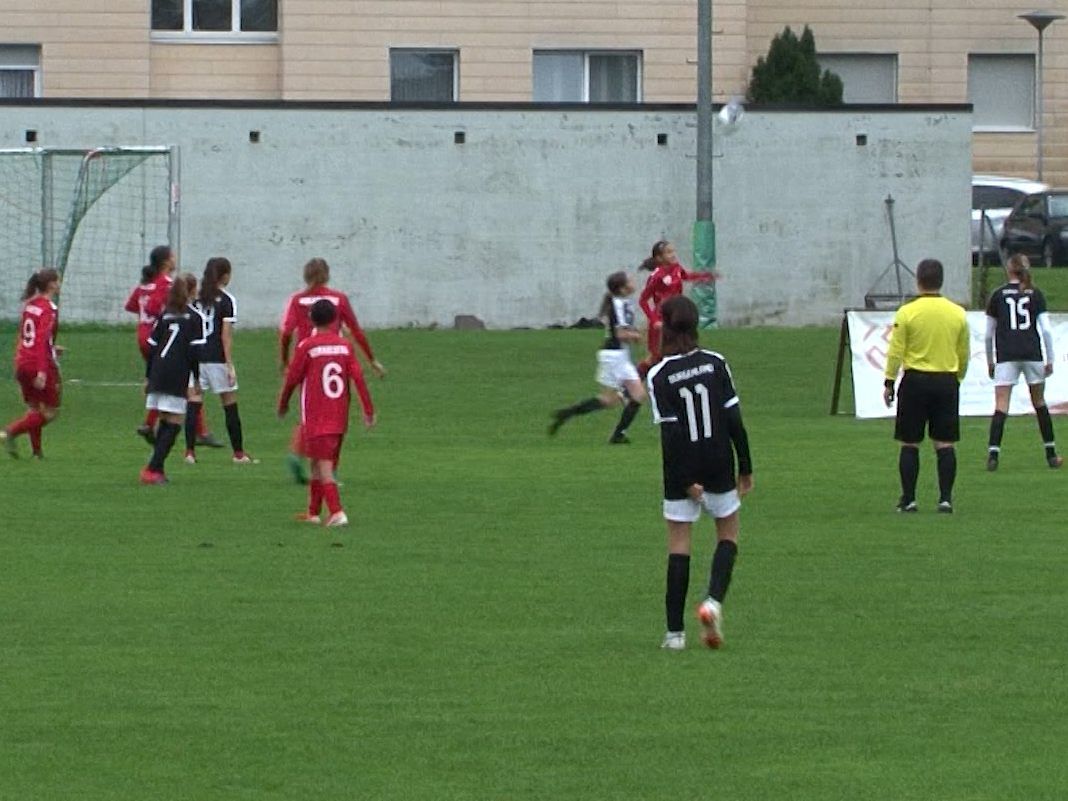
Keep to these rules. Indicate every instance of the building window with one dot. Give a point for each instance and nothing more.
(20, 71)
(424, 76)
(866, 77)
(1001, 89)
(207, 18)
(587, 76)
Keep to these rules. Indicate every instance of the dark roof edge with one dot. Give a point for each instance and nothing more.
(365, 105)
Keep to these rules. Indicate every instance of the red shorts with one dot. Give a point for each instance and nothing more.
(49, 396)
(326, 448)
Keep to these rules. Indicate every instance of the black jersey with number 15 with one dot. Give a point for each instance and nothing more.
(1016, 311)
(690, 395)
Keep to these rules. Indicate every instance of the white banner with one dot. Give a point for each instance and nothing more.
(869, 339)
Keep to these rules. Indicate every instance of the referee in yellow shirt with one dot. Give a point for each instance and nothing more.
(931, 342)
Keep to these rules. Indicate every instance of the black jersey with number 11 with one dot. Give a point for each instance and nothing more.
(691, 394)
(1016, 311)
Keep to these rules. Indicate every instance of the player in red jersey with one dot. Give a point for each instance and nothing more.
(297, 324)
(665, 282)
(36, 367)
(323, 365)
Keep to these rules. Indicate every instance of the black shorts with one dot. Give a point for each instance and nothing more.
(931, 402)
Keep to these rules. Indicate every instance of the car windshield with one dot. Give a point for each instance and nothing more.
(1058, 205)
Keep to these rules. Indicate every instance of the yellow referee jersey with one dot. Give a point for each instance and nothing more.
(930, 335)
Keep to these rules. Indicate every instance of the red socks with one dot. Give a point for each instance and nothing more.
(333, 500)
(151, 418)
(315, 497)
(28, 422)
(202, 427)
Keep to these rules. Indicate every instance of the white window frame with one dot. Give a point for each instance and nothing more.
(233, 36)
(586, 53)
(34, 68)
(1028, 128)
(440, 51)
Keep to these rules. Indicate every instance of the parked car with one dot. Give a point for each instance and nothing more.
(997, 195)
(1038, 228)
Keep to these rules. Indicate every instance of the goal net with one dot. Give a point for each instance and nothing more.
(93, 215)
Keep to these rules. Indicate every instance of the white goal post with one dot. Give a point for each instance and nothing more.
(92, 214)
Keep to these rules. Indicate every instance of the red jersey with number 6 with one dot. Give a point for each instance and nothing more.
(36, 350)
(147, 301)
(323, 366)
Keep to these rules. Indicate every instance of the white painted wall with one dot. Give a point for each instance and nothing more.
(521, 224)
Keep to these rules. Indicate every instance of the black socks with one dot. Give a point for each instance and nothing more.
(233, 427)
(166, 434)
(1045, 426)
(997, 430)
(908, 465)
(678, 581)
(722, 566)
(192, 411)
(630, 411)
(947, 472)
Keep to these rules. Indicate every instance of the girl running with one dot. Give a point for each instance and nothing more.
(615, 372)
(217, 374)
(36, 362)
(666, 281)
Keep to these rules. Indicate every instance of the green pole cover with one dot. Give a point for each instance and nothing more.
(704, 260)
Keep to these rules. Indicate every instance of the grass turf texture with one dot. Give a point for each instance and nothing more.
(489, 628)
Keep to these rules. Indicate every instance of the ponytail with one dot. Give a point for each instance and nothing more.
(658, 248)
(39, 282)
(178, 297)
(614, 284)
(149, 273)
(216, 268)
(1019, 266)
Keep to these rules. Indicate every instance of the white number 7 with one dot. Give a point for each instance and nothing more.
(173, 328)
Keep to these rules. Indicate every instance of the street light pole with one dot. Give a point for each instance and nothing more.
(704, 231)
(1040, 20)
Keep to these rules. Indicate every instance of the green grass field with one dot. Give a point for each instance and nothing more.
(488, 627)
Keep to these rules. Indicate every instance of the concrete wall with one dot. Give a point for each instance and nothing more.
(520, 224)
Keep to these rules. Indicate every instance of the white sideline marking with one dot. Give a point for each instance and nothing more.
(85, 383)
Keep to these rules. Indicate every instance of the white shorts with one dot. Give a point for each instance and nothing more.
(717, 504)
(614, 368)
(1006, 374)
(214, 377)
(169, 404)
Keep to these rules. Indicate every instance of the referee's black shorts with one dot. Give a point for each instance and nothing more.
(931, 402)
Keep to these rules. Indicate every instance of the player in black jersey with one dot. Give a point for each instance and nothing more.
(175, 341)
(694, 402)
(217, 374)
(1017, 328)
(616, 373)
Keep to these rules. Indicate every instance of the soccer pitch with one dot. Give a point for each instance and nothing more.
(488, 626)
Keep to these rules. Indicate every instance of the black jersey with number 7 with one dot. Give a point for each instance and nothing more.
(175, 343)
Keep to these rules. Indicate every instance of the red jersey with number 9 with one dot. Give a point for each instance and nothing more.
(37, 333)
(323, 366)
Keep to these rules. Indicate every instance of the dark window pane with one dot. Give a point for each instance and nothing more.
(212, 15)
(259, 15)
(166, 15)
(16, 83)
(613, 79)
(422, 77)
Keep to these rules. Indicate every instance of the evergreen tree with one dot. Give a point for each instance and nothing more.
(791, 74)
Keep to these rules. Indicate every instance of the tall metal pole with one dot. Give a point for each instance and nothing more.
(704, 230)
(1038, 104)
(704, 109)
(1040, 20)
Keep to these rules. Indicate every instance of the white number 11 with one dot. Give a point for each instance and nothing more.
(691, 416)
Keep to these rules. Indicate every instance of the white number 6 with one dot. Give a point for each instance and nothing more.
(333, 383)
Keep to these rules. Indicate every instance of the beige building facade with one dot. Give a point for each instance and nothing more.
(942, 51)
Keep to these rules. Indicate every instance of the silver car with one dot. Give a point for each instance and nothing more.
(996, 195)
